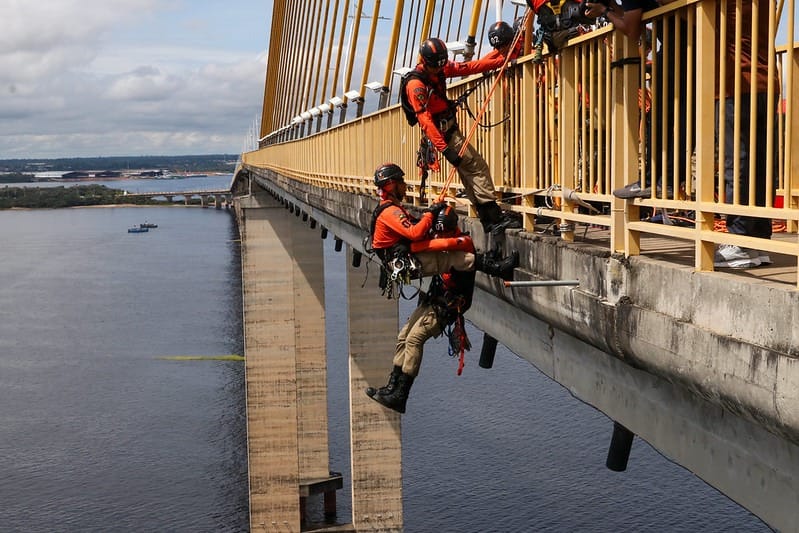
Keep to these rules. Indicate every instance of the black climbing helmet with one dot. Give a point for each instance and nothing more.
(433, 52)
(500, 34)
(387, 172)
(447, 220)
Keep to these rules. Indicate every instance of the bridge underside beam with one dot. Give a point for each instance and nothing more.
(752, 466)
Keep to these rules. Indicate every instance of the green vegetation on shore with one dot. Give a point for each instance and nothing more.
(16, 177)
(174, 163)
(77, 196)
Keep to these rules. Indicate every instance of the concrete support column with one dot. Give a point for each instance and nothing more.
(375, 436)
(270, 366)
(309, 325)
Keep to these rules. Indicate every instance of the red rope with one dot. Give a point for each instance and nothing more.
(462, 333)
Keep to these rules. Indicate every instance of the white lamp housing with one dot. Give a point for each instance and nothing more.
(353, 95)
(376, 86)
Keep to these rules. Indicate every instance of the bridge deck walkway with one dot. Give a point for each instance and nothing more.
(782, 270)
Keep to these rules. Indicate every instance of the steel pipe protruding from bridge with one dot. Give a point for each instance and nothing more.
(543, 283)
(488, 351)
(356, 258)
(620, 445)
(339, 243)
(313, 223)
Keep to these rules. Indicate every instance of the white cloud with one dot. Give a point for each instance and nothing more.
(89, 77)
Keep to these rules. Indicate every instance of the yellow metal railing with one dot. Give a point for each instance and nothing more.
(595, 118)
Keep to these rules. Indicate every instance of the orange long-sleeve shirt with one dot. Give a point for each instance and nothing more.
(395, 224)
(427, 103)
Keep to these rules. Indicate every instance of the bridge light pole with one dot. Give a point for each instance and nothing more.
(337, 101)
(353, 96)
(382, 90)
(402, 71)
(458, 48)
(306, 117)
(324, 110)
(295, 123)
(316, 113)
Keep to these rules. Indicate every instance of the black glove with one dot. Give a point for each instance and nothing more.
(452, 156)
(436, 208)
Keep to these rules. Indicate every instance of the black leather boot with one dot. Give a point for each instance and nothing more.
(494, 220)
(501, 268)
(388, 388)
(397, 399)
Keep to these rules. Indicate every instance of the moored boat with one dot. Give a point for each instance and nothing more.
(138, 230)
(147, 225)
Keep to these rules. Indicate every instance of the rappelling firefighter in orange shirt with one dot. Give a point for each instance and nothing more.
(403, 242)
(437, 247)
(424, 99)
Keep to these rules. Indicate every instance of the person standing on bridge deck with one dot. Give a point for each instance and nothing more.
(403, 242)
(751, 53)
(424, 95)
(448, 297)
(627, 18)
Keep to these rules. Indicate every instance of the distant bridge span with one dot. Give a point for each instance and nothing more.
(220, 196)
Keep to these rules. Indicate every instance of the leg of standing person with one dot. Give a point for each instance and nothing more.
(476, 178)
(659, 148)
(730, 255)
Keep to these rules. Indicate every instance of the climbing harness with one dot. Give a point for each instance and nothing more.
(426, 160)
(398, 266)
(449, 305)
(459, 342)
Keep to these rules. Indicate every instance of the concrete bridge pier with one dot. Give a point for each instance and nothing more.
(285, 366)
(375, 435)
(311, 359)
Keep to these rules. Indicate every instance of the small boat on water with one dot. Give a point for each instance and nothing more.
(138, 230)
(148, 225)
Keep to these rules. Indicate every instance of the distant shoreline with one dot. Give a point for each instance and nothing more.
(176, 204)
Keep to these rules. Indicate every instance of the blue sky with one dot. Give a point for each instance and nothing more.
(130, 77)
